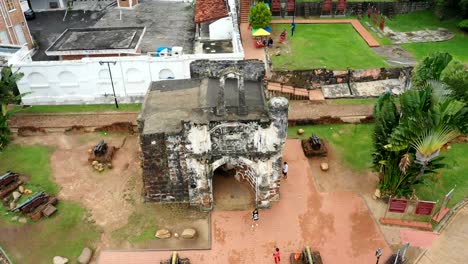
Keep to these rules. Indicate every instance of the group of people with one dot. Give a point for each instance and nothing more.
(265, 42)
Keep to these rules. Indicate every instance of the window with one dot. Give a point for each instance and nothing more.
(10, 4)
(20, 35)
(4, 38)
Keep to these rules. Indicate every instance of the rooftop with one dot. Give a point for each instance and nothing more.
(167, 23)
(209, 10)
(79, 41)
(170, 102)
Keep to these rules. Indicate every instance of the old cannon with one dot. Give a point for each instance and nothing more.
(32, 203)
(8, 183)
(175, 259)
(8, 178)
(101, 156)
(306, 257)
(314, 146)
(100, 149)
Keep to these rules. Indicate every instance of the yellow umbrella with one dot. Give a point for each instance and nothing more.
(260, 32)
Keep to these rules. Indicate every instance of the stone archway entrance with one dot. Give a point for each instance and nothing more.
(231, 189)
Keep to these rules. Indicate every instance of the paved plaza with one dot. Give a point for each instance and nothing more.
(337, 224)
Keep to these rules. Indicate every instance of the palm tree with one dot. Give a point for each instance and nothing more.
(7, 96)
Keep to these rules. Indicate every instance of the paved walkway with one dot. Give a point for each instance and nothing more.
(250, 51)
(337, 224)
(368, 38)
(63, 121)
(451, 246)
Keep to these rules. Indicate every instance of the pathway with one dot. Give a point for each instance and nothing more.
(248, 42)
(337, 224)
(63, 121)
(368, 38)
(450, 247)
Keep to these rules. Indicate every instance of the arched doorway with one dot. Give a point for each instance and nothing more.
(233, 187)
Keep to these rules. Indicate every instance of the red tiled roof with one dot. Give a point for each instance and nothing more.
(209, 10)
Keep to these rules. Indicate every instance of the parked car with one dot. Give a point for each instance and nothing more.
(29, 14)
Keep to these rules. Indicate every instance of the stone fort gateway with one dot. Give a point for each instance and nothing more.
(219, 119)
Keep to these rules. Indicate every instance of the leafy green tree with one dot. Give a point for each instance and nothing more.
(456, 77)
(7, 96)
(259, 15)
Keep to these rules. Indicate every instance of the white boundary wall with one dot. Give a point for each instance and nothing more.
(87, 82)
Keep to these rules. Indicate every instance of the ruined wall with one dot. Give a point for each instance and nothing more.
(164, 168)
(179, 167)
(316, 78)
(253, 70)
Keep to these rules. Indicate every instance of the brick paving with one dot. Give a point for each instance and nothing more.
(451, 245)
(337, 224)
(368, 38)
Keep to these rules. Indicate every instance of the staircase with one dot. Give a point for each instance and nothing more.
(244, 11)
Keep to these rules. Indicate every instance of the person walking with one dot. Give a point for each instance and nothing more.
(293, 28)
(255, 218)
(285, 170)
(277, 256)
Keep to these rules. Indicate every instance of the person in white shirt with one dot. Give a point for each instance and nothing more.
(285, 170)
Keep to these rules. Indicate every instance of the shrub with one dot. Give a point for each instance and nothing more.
(259, 15)
(463, 25)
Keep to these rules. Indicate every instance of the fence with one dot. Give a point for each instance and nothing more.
(387, 8)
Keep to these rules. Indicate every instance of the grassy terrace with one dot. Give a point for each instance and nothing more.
(353, 144)
(64, 234)
(426, 20)
(334, 46)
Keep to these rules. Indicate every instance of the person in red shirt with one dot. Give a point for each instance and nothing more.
(277, 256)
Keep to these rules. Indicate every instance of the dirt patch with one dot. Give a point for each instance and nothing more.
(30, 131)
(125, 127)
(113, 197)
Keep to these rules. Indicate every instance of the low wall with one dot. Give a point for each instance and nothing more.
(387, 8)
(315, 78)
(86, 81)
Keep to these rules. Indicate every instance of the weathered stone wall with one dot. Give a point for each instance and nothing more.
(180, 167)
(316, 78)
(253, 70)
(387, 8)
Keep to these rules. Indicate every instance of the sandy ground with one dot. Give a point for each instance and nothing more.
(104, 194)
(338, 224)
(112, 196)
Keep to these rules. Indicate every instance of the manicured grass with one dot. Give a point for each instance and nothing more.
(357, 101)
(334, 46)
(31, 161)
(456, 46)
(352, 142)
(79, 108)
(64, 234)
(382, 41)
(456, 173)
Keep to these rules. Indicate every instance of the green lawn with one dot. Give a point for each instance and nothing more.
(79, 108)
(64, 234)
(352, 142)
(334, 46)
(456, 173)
(457, 46)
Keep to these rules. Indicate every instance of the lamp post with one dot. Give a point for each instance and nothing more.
(378, 253)
(112, 81)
